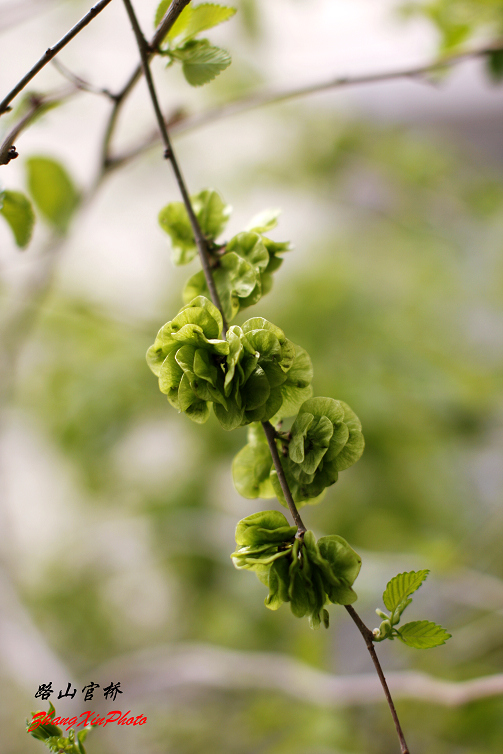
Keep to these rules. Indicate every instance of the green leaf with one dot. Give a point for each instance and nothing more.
(193, 19)
(53, 191)
(297, 387)
(206, 16)
(210, 330)
(250, 471)
(324, 407)
(495, 65)
(264, 221)
(401, 587)
(423, 634)
(211, 211)
(264, 527)
(302, 493)
(355, 444)
(18, 212)
(201, 62)
(174, 220)
(278, 584)
(231, 417)
(344, 561)
(47, 730)
(249, 246)
(212, 214)
(234, 278)
(198, 411)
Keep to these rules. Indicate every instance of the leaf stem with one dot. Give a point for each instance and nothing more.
(51, 52)
(369, 641)
(169, 154)
(270, 433)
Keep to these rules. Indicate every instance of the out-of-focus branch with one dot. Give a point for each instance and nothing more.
(37, 106)
(81, 83)
(171, 667)
(254, 101)
(51, 52)
(17, 12)
(24, 653)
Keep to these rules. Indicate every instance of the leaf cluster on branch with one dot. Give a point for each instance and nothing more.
(251, 374)
(304, 572)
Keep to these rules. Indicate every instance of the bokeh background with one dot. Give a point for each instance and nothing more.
(118, 514)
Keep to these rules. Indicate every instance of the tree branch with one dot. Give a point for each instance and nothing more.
(51, 52)
(167, 22)
(369, 641)
(271, 440)
(201, 242)
(80, 83)
(245, 104)
(37, 106)
(146, 52)
(169, 668)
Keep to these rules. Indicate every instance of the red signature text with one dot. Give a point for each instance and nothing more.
(86, 718)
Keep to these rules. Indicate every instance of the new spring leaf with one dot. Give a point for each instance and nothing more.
(423, 634)
(16, 208)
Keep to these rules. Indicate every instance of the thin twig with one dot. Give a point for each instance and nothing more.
(201, 242)
(248, 103)
(51, 52)
(37, 106)
(271, 440)
(369, 641)
(165, 25)
(81, 83)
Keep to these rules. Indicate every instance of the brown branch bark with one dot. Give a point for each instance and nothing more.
(369, 641)
(271, 441)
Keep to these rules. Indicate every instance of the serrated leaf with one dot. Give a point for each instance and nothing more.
(402, 586)
(53, 191)
(205, 17)
(423, 634)
(201, 62)
(17, 210)
(193, 19)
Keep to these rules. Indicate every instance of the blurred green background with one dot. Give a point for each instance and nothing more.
(118, 514)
